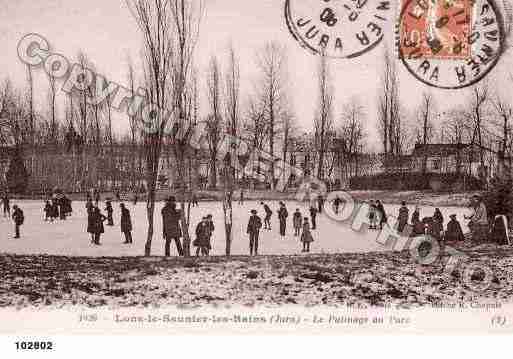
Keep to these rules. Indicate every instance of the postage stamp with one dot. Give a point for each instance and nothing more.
(450, 44)
(437, 28)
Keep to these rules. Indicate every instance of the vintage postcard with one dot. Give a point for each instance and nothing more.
(224, 166)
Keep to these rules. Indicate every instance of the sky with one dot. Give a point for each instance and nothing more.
(106, 32)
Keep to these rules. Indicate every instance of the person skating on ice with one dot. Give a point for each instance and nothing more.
(306, 236)
(297, 221)
(171, 217)
(19, 219)
(268, 214)
(126, 223)
(313, 216)
(95, 225)
(282, 216)
(254, 225)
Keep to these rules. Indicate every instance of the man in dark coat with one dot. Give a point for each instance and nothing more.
(282, 216)
(254, 225)
(126, 223)
(320, 202)
(313, 215)
(18, 219)
(171, 226)
(6, 206)
(268, 214)
(454, 232)
(402, 219)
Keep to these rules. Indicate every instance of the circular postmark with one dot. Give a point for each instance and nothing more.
(340, 28)
(450, 44)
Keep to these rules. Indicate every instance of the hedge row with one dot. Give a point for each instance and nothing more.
(415, 181)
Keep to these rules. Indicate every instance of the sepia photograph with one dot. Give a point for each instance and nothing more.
(201, 166)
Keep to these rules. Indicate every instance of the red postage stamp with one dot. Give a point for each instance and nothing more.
(435, 29)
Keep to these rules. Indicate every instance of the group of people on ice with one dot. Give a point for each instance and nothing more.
(95, 220)
(301, 226)
(58, 207)
(434, 225)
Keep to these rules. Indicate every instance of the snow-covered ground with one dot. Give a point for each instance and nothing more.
(70, 238)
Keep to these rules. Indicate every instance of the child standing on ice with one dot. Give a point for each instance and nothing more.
(202, 237)
(306, 236)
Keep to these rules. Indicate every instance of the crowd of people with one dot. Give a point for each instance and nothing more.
(59, 206)
(480, 229)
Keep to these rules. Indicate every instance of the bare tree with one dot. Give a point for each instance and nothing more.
(52, 95)
(426, 132)
(478, 100)
(256, 129)
(186, 18)
(155, 20)
(389, 108)
(272, 67)
(134, 128)
(232, 116)
(324, 117)
(352, 135)
(505, 112)
(214, 122)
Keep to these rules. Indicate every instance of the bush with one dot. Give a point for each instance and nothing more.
(414, 181)
(17, 175)
(499, 199)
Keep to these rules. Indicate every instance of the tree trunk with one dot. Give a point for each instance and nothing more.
(150, 211)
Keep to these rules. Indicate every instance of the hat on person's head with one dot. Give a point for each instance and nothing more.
(452, 216)
(209, 216)
(171, 199)
(253, 211)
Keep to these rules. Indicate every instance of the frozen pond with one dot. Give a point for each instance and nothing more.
(70, 238)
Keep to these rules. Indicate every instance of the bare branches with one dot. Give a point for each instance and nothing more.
(389, 108)
(271, 62)
(324, 119)
(214, 120)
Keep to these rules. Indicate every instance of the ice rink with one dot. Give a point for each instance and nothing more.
(69, 237)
